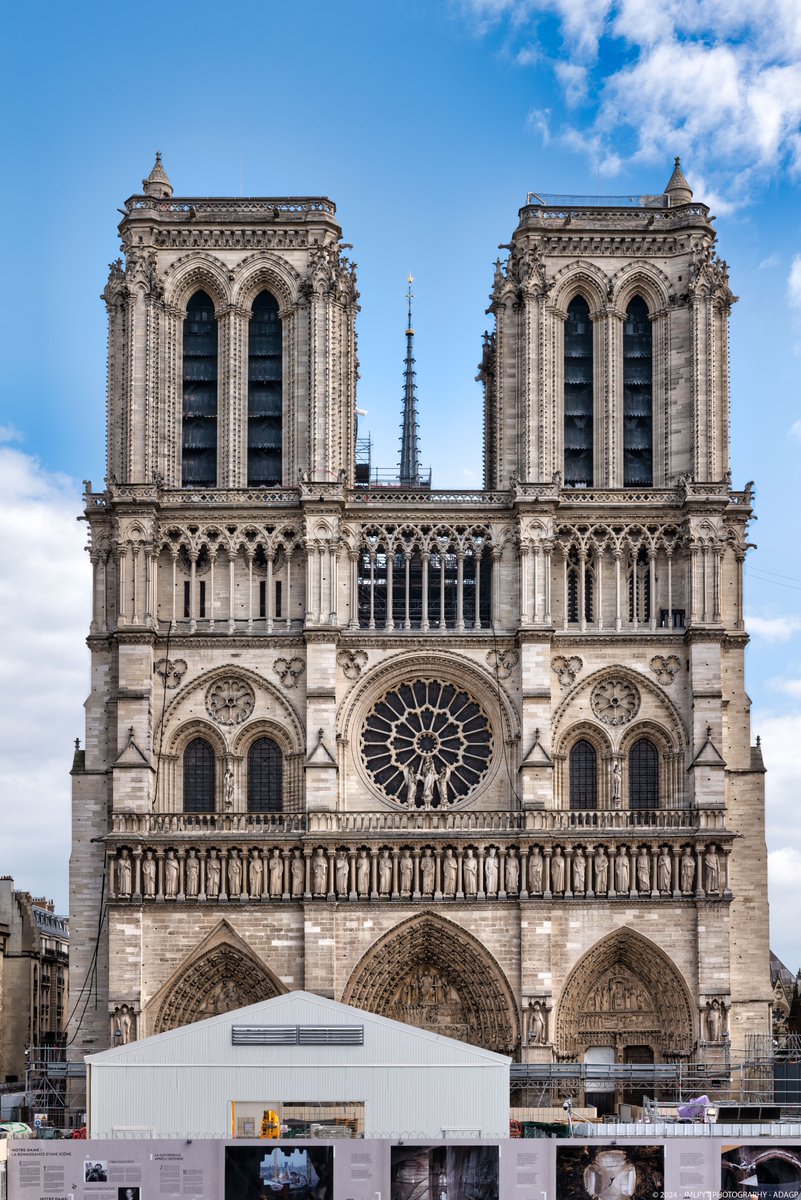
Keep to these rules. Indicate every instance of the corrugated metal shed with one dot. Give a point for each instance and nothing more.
(411, 1082)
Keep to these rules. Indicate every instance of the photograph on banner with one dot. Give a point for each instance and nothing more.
(129, 1193)
(454, 1172)
(761, 1171)
(267, 1171)
(610, 1172)
(95, 1172)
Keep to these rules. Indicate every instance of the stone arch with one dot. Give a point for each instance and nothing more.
(580, 278)
(625, 991)
(640, 279)
(220, 975)
(266, 272)
(429, 972)
(669, 720)
(196, 273)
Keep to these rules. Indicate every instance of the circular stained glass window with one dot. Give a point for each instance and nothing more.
(427, 744)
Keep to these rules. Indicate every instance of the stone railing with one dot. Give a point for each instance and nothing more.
(419, 869)
(208, 206)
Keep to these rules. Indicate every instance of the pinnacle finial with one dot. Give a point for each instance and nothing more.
(157, 182)
(678, 189)
(410, 450)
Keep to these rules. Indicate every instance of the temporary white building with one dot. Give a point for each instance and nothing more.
(314, 1067)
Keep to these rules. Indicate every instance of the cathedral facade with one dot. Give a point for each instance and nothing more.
(475, 760)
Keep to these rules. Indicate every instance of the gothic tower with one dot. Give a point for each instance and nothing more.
(478, 760)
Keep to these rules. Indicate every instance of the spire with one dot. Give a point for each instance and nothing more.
(678, 189)
(410, 449)
(157, 182)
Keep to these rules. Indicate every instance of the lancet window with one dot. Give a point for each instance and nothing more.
(199, 777)
(574, 570)
(583, 776)
(265, 776)
(265, 405)
(643, 775)
(445, 587)
(199, 431)
(578, 423)
(637, 396)
(639, 588)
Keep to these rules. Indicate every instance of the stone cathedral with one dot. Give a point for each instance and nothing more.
(475, 760)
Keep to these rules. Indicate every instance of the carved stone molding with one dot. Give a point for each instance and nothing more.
(171, 670)
(230, 700)
(503, 662)
(352, 662)
(566, 669)
(615, 701)
(665, 667)
(289, 670)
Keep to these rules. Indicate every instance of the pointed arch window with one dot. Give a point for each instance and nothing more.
(199, 777)
(643, 775)
(578, 395)
(583, 775)
(574, 589)
(265, 392)
(638, 397)
(199, 449)
(265, 776)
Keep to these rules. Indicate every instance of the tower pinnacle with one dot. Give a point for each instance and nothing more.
(410, 448)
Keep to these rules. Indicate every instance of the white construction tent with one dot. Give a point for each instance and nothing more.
(298, 1065)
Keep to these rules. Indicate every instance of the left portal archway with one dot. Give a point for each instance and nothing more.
(431, 973)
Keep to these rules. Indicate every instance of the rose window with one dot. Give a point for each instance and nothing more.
(230, 701)
(427, 744)
(615, 701)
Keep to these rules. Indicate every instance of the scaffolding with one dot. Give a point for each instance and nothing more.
(55, 1090)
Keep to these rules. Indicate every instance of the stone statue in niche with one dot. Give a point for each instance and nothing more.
(410, 783)
(124, 873)
(557, 871)
(148, 874)
(362, 873)
(430, 779)
(714, 1021)
(234, 874)
(213, 872)
(298, 873)
(687, 871)
(537, 1033)
(171, 875)
(663, 870)
(406, 873)
(228, 789)
(711, 870)
(616, 784)
(427, 873)
(319, 873)
(443, 784)
(579, 872)
(255, 874)
(622, 871)
(341, 873)
(449, 872)
(192, 873)
(643, 871)
(535, 863)
(491, 872)
(512, 872)
(470, 873)
(276, 866)
(610, 1175)
(123, 1028)
(384, 873)
(601, 872)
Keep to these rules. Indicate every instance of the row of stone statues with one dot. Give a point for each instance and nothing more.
(623, 870)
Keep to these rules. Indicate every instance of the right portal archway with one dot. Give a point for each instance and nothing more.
(625, 993)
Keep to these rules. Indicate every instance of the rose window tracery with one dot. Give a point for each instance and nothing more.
(615, 701)
(427, 744)
(230, 701)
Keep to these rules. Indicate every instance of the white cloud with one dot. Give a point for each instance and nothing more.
(44, 668)
(716, 81)
(768, 263)
(781, 735)
(795, 430)
(773, 629)
(784, 871)
(794, 282)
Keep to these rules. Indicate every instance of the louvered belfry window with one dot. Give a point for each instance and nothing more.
(265, 405)
(200, 394)
(643, 775)
(583, 776)
(578, 395)
(199, 777)
(637, 396)
(265, 771)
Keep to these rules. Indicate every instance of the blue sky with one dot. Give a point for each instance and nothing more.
(427, 124)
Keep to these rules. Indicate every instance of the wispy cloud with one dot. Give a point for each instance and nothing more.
(716, 81)
(794, 282)
(773, 629)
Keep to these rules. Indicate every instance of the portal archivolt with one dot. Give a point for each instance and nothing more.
(430, 973)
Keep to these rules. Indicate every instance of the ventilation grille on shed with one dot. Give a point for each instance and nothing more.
(297, 1035)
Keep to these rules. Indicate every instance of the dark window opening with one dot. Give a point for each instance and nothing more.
(583, 776)
(265, 393)
(199, 770)
(265, 776)
(637, 396)
(200, 394)
(278, 612)
(262, 598)
(442, 589)
(640, 588)
(643, 775)
(573, 580)
(578, 395)
(187, 607)
(677, 621)
(202, 599)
